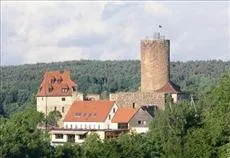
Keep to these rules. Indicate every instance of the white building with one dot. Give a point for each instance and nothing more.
(96, 114)
(102, 117)
(56, 92)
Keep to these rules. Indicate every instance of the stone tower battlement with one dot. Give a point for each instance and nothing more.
(155, 59)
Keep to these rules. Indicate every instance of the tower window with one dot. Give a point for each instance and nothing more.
(139, 122)
(133, 105)
(114, 110)
(55, 108)
(63, 99)
(109, 117)
(63, 110)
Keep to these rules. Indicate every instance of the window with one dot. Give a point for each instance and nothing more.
(63, 99)
(109, 117)
(122, 125)
(55, 108)
(98, 126)
(66, 126)
(83, 136)
(139, 122)
(133, 105)
(78, 114)
(50, 89)
(114, 110)
(75, 126)
(63, 109)
(71, 138)
(58, 136)
(71, 126)
(64, 90)
(74, 89)
(42, 98)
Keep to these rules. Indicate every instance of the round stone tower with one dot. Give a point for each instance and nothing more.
(154, 64)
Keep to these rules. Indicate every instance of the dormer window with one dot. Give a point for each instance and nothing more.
(64, 90)
(59, 80)
(53, 79)
(50, 89)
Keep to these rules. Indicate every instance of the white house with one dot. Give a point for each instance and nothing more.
(96, 114)
(136, 120)
(57, 92)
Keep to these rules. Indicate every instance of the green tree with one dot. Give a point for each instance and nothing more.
(53, 118)
(21, 138)
(69, 151)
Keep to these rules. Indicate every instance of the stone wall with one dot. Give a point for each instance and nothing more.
(92, 97)
(128, 99)
(154, 64)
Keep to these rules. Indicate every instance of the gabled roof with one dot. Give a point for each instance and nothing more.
(124, 114)
(89, 111)
(169, 87)
(54, 82)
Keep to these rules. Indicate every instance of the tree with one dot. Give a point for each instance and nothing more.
(69, 151)
(169, 129)
(53, 118)
(21, 138)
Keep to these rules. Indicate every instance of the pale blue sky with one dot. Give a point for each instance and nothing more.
(58, 31)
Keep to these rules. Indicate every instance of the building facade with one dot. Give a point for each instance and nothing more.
(96, 114)
(57, 92)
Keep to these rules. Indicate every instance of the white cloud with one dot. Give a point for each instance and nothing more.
(155, 8)
(48, 31)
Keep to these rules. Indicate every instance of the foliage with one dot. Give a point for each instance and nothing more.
(183, 130)
(21, 138)
(68, 151)
(53, 118)
(20, 83)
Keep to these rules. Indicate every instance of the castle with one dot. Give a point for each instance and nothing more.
(155, 81)
(123, 111)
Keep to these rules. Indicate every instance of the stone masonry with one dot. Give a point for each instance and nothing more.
(154, 64)
(128, 99)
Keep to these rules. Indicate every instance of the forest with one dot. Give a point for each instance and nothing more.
(185, 130)
(19, 84)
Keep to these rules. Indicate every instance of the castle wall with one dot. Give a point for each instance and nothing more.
(92, 97)
(154, 64)
(128, 99)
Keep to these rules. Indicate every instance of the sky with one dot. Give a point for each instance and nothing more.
(39, 31)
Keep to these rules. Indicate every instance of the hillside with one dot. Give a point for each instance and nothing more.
(19, 83)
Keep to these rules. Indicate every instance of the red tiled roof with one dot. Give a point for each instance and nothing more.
(89, 111)
(124, 114)
(169, 87)
(53, 83)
